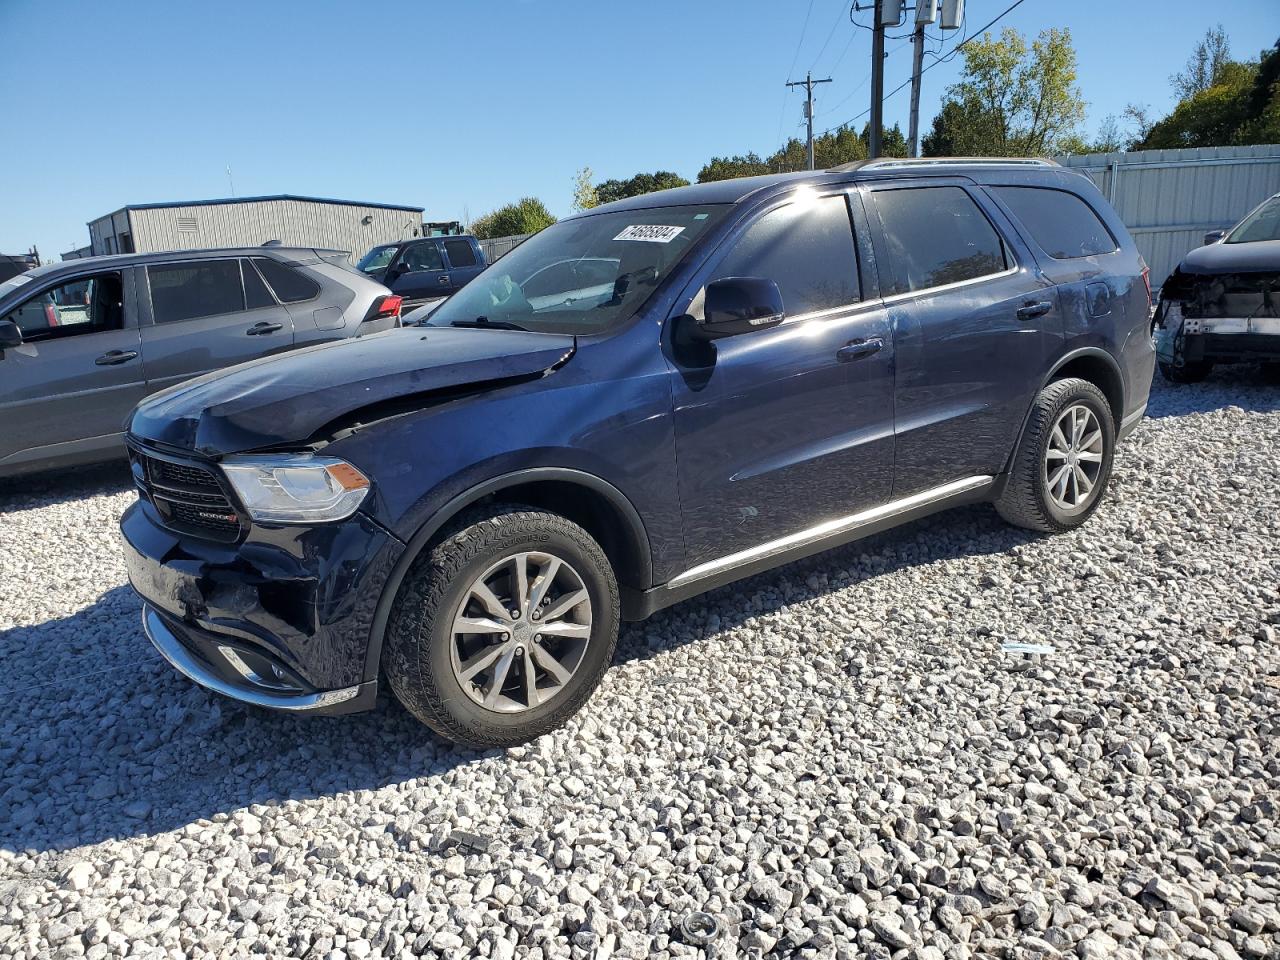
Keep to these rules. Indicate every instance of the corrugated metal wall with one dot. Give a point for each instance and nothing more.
(292, 222)
(1169, 199)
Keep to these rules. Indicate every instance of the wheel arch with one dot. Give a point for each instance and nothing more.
(1088, 363)
(594, 504)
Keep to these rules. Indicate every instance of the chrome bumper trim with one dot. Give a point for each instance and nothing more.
(180, 659)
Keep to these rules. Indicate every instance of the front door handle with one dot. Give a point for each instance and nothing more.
(258, 329)
(857, 349)
(112, 357)
(1034, 308)
(444, 279)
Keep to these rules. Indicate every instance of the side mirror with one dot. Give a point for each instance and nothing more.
(737, 305)
(10, 335)
(1213, 236)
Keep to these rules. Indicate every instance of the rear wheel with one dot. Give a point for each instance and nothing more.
(1063, 461)
(1271, 372)
(1192, 372)
(503, 629)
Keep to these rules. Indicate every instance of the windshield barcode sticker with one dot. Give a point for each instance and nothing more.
(650, 233)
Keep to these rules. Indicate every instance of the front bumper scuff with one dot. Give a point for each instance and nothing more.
(251, 689)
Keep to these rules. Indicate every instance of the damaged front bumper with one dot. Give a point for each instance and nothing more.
(1218, 319)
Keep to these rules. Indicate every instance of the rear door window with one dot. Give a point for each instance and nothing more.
(460, 253)
(937, 236)
(290, 285)
(195, 288)
(806, 248)
(256, 293)
(1060, 222)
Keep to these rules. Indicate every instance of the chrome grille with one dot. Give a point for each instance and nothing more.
(188, 496)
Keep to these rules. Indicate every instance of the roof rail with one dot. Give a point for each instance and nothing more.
(883, 163)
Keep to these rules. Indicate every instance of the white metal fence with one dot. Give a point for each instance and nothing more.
(1169, 199)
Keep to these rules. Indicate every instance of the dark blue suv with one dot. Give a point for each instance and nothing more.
(638, 404)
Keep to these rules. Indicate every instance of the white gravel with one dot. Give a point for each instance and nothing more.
(833, 760)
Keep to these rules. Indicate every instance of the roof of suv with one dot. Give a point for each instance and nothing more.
(740, 188)
(294, 254)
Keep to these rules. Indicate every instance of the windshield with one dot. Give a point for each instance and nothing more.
(377, 258)
(1262, 224)
(581, 276)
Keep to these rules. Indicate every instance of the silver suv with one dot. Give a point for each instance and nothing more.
(81, 342)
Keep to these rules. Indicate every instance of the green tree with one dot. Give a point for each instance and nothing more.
(727, 168)
(641, 183)
(1014, 99)
(1240, 105)
(527, 215)
(1205, 65)
(584, 193)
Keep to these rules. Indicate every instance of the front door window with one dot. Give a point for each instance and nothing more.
(84, 305)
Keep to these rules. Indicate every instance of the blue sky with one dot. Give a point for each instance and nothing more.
(461, 107)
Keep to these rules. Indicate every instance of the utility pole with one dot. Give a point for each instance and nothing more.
(808, 85)
(917, 61)
(877, 80)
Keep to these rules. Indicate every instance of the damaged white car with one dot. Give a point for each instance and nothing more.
(1222, 303)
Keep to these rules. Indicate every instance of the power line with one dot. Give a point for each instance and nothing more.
(830, 33)
(906, 83)
(800, 43)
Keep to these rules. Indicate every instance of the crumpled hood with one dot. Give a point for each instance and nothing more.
(288, 397)
(1253, 257)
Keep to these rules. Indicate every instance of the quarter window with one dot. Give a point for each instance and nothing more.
(195, 288)
(936, 236)
(460, 253)
(290, 285)
(806, 248)
(1060, 222)
(83, 305)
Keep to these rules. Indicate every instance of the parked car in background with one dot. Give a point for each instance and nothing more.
(427, 268)
(1222, 303)
(735, 375)
(82, 341)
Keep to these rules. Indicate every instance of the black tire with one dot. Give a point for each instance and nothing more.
(1186, 372)
(416, 656)
(1271, 372)
(1025, 500)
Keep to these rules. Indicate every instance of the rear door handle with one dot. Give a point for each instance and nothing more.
(444, 279)
(1034, 308)
(857, 349)
(258, 329)
(112, 357)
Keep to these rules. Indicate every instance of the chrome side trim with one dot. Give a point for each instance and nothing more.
(181, 660)
(831, 528)
(930, 291)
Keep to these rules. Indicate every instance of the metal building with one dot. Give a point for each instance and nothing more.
(251, 221)
(1169, 199)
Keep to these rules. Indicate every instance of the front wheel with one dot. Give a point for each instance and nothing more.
(502, 630)
(1063, 461)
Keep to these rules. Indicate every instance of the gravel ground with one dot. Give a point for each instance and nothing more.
(834, 760)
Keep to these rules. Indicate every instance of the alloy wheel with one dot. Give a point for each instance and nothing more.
(520, 632)
(1073, 460)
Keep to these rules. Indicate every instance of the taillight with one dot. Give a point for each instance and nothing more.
(385, 306)
(51, 314)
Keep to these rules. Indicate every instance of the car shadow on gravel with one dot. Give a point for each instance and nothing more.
(63, 486)
(1239, 385)
(104, 741)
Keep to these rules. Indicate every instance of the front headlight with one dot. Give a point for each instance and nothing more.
(296, 488)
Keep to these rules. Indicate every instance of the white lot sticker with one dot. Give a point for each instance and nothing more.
(650, 233)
